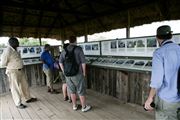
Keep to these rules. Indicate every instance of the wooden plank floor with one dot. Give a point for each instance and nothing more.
(52, 107)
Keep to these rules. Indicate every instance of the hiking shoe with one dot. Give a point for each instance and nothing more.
(75, 107)
(31, 100)
(86, 108)
(21, 106)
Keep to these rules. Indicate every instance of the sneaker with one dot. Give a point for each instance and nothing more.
(86, 108)
(21, 106)
(75, 107)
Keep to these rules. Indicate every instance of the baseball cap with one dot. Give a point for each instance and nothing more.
(164, 30)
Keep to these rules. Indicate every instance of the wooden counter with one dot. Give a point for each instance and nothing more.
(127, 86)
(34, 73)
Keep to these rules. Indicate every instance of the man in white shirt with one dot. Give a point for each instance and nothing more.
(11, 59)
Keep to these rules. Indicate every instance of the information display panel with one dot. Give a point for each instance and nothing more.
(30, 52)
(129, 47)
(91, 48)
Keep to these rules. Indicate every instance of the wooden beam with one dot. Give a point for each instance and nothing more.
(28, 13)
(47, 8)
(1, 21)
(71, 8)
(94, 12)
(52, 25)
(28, 26)
(164, 9)
(106, 13)
(23, 17)
(39, 21)
(105, 3)
(39, 24)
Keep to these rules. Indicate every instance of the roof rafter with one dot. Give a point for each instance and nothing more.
(94, 12)
(164, 9)
(47, 8)
(22, 20)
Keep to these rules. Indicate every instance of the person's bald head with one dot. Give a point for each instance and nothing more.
(13, 42)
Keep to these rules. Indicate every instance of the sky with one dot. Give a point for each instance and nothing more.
(139, 31)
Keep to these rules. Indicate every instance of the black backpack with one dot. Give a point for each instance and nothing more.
(71, 68)
(178, 81)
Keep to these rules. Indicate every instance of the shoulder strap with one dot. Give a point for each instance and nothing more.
(178, 81)
(74, 48)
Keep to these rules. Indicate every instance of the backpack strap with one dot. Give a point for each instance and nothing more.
(178, 82)
(67, 51)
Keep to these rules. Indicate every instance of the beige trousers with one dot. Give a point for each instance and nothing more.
(166, 111)
(18, 85)
(49, 77)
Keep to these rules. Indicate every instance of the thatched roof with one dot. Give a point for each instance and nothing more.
(61, 18)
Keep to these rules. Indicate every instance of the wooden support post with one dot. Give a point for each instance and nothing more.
(85, 36)
(40, 42)
(128, 26)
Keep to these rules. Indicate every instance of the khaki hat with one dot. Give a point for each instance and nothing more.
(164, 30)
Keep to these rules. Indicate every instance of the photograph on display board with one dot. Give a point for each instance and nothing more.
(121, 44)
(149, 64)
(131, 44)
(140, 43)
(140, 47)
(129, 62)
(113, 44)
(151, 42)
(94, 46)
(87, 47)
(31, 50)
(38, 50)
(176, 39)
(1, 51)
(25, 50)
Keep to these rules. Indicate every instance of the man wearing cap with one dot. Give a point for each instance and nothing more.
(14, 69)
(164, 85)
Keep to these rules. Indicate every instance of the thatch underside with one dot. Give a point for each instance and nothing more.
(62, 18)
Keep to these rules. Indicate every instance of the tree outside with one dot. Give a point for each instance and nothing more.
(30, 42)
(2, 45)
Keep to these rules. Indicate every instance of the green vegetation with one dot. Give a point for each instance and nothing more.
(30, 42)
(26, 42)
(2, 45)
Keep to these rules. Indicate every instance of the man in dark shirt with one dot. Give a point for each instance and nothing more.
(76, 83)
